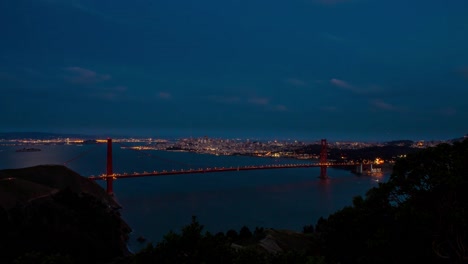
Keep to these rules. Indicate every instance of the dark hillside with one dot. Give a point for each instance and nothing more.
(51, 211)
(419, 216)
(386, 152)
(15, 191)
(58, 177)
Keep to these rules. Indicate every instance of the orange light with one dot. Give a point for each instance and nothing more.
(378, 161)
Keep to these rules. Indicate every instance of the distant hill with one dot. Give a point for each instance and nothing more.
(460, 139)
(386, 152)
(40, 135)
(406, 143)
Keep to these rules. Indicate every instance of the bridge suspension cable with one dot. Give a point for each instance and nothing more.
(80, 155)
(110, 175)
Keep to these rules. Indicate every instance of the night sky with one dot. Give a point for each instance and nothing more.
(304, 69)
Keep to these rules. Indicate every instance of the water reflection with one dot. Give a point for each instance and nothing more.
(283, 199)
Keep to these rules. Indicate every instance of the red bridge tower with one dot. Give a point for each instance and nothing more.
(323, 159)
(109, 172)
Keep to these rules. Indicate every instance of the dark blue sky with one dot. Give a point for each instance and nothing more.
(339, 69)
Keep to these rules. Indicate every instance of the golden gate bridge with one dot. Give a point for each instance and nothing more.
(110, 176)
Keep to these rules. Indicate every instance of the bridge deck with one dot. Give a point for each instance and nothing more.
(216, 169)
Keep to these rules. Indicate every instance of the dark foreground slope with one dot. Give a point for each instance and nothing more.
(262, 246)
(52, 211)
(419, 216)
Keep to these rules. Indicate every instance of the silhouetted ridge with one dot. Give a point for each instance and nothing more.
(51, 211)
(58, 177)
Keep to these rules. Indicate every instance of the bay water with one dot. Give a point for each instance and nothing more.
(152, 206)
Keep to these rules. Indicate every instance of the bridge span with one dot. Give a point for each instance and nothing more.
(110, 176)
(215, 169)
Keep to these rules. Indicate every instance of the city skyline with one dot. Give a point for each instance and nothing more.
(306, 69)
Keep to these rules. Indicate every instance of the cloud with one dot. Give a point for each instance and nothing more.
(261, 102)
(266, 104)
(110, 93)
(80, 75)
(369, 89)
(120, 88)
(295, 82)
(342, 84)
(258, 101)
(164, 95)
(281, 108)
(380, 104)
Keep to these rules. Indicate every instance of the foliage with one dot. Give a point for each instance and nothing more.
(41, 258)
(191, 246)
(419, 215)
(308, 229)
(194, 246)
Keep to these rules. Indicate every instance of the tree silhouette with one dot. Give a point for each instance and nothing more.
(419, 215)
